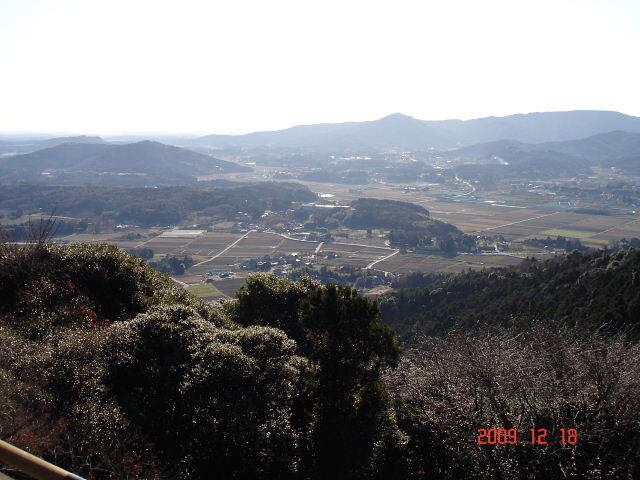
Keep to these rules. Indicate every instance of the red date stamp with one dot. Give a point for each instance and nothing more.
(535, 436)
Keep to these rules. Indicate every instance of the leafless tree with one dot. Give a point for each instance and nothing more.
(541, 378)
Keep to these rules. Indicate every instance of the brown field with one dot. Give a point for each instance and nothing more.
(90, 237)
(514, 223)
(164, 249)
(188, 279)
(113, 237)
(377, 239)
(291, 246)
(210, 243)
(353, 255)
(436, 263)
(477, 217)
(229, 286)
(256, 244)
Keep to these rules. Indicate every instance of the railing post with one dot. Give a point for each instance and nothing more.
(32, 465)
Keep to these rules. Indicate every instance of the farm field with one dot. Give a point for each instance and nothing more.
(353, 255)
(125, 239)
(188, 279)
(229, 286)
(205, 291)
(200, 248)
(377, 238)
(288, 246)
(220, 251)
(163, 246)
(514, 222)
(208, 244)
(255, 244)
(259, 244)
(413, 262)
(90, 238)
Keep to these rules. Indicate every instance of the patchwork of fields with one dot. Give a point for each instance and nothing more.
(514, 222)
(436, 263)
(221, 251)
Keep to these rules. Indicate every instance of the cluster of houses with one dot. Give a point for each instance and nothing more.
(279, 263)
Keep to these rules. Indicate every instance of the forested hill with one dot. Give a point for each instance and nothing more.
(591, 288)
(507, 158)
(165, 205)
(31, 145)
(395, 215)
(141, 163)
(371, 212)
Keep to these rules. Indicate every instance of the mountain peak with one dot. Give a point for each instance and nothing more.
(400, 130)
(398, 116)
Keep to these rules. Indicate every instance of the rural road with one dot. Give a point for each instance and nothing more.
(350, 244)
(227, 248)
(332, 243)
(613, 228)
(381, 259)
(519, 221)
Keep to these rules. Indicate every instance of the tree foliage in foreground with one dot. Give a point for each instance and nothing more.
(449, 387)
(339, 332)
(109, 369)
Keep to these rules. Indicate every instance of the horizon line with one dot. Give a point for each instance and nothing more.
(55, 134)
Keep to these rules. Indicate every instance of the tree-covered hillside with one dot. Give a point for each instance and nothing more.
(109, 369)
(592, 288)
(394, 215)
(374, 213)
(409, 225)
(141, 163)
(154, 206)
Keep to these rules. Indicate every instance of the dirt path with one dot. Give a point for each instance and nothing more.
(226, 249)
(514, 223)
(381, 259)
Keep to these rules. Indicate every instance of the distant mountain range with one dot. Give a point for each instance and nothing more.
(402, 131)
(612, 149)
(603, 145)
(31, 145)
(534, 145)
(141, 163)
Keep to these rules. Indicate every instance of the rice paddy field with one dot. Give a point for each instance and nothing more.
(229, 286)
(255, 244)
(439, 264)
(206, 291)
(127, 239)
(221, 251)
(353, 255)
(514, 222)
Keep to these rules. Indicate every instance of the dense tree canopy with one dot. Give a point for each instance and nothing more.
(111, 370)
(104, 349)
(593, 288)
(154, 206)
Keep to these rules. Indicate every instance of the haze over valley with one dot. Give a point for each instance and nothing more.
(537, 184)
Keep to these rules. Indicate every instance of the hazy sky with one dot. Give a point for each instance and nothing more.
(111, 66)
